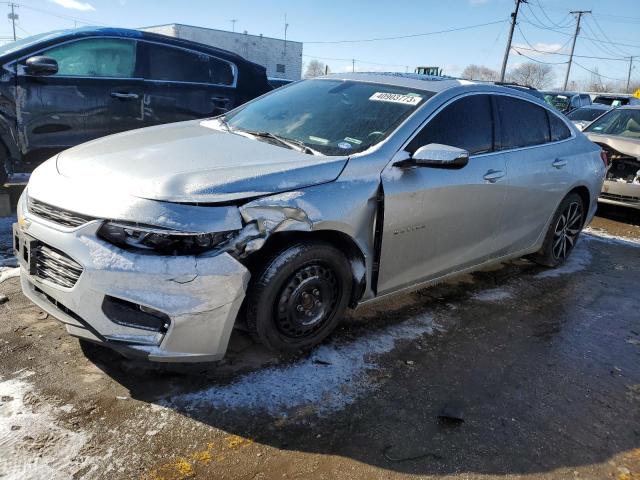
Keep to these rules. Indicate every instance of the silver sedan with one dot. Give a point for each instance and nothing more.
(319, 196)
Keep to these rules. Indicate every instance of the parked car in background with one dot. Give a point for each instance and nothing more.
(567, 101)
(583, 116)
(63, 88)
(279, 82)
(616, 100)
(618, 133)
(315, 197)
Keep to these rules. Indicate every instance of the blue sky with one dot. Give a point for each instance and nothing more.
(546, 29)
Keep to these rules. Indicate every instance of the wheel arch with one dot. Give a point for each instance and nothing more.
(585, 195)
(340, 240)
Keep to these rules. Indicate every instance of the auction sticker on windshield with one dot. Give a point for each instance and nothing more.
(396, 98)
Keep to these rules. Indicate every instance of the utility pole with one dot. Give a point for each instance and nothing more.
(353, 65)
(579, 14)
(629, 74)
(13, 16)
(514, 18)
(286, 28)
(233, 24)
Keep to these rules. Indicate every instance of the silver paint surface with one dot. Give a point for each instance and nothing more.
(183, 176)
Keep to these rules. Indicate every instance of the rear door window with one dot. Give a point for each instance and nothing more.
(95, 57)
(172, 64)
(559, 131)
(522, 123)
(466, 123)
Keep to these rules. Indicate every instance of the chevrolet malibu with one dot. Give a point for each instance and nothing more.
(281, 214)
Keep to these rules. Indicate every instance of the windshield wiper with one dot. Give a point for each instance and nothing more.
(287, 142)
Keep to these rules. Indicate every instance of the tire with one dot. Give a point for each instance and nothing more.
(298, 296)
(563, 233)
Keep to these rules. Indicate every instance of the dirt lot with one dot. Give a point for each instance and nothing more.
(516, 372)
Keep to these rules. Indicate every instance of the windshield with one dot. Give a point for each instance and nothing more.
(25, 42)
(587, 114)
(333, 117)
(559, 101)
(625, 123)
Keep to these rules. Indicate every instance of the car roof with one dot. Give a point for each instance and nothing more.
(550, 92)
(409, 80)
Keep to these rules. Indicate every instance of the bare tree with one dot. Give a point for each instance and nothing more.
(315, 68)
(532, 74)
(480, 72)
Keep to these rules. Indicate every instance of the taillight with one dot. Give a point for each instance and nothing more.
(604, 157)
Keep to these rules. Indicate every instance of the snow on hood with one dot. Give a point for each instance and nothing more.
(192, 162)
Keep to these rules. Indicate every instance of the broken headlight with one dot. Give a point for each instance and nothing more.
(168, 242)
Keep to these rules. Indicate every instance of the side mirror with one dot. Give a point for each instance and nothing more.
(436, 155)
(41, 65)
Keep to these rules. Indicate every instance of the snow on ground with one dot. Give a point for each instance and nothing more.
(32, 444)
(579, 259)
(334, 376)
(492, 295)
(599, 234)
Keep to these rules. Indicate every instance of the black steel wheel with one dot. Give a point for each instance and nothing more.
(563, 232)
(298, 296)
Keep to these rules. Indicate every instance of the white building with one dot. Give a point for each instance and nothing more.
(282, 59)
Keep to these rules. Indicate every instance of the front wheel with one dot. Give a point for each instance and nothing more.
(298, 296)
(563, 232)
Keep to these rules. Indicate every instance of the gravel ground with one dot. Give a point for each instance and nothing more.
(512, 372)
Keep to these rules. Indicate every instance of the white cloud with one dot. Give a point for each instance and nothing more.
(478, 2)
(74, 5)
(539, 49)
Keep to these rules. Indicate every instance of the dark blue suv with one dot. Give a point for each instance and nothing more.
(63, 88)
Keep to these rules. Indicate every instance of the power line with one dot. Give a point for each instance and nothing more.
(557, 25)
(380, 39)
(620, 59)
(604, 34)
(559, 49)
(602, 47)
(589, 38)
(58, 15)
(597, 73)
(536, 60)
(351, 60)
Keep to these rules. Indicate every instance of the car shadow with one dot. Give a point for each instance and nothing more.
(619, 214)
(522, 373)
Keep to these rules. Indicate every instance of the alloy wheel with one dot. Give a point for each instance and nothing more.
(567, 230)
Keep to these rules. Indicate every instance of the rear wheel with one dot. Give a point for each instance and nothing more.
(296, 299)
(563, 232)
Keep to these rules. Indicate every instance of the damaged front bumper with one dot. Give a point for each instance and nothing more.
(625, 194)
(165, 308)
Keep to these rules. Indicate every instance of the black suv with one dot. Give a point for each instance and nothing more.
(63, 88)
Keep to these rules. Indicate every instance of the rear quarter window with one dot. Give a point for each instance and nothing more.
(522, 123)
(559, 131)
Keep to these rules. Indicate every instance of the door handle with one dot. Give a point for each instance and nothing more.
(125, 95)
(492, 176)
(559, 163)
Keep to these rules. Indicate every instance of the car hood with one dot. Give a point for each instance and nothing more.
(625, 145)
(194, 162)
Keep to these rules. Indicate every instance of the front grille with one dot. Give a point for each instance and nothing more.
(620, 198)
(55, 266)
(56, 215)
